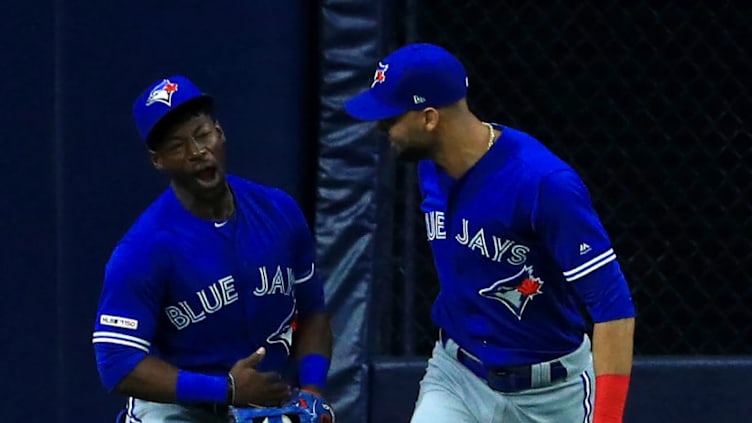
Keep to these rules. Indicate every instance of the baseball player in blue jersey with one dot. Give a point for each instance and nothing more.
(213, 290)
(521, 255)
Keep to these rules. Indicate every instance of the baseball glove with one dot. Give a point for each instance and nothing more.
(305, 407)
(290, 413)
(319, 410)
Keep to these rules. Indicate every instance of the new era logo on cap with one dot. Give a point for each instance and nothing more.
(411, 78)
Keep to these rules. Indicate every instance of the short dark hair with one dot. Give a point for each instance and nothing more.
(183, 113)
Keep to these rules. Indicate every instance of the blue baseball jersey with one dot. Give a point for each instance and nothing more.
(201, 294)
(520, 253)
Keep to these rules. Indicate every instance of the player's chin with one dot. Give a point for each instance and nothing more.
(410, 154)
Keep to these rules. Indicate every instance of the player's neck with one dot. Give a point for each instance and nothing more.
(217, 207)
(463, 143)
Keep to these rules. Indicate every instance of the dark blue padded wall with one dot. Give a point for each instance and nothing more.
(28, 311)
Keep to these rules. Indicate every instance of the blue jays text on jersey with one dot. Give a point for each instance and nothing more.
(201, 294)
(520, 253)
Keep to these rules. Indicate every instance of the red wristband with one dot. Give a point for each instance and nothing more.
(610, 397)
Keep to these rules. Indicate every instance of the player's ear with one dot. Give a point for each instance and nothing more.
(156, 160)
(220, 130)
(430, 118)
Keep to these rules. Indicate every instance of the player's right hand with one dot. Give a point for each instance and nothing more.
(255, 388)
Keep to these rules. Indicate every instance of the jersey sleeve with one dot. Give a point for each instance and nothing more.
(128, 310)
(564, 218)
(309, 289)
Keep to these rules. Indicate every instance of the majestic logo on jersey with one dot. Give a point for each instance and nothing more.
(162, 93)
(283, 334)
(515, 292)
(380, 75)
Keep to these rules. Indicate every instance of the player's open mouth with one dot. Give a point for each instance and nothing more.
(207, 175)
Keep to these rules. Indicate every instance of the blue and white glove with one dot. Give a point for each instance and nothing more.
(320, 410)
(286, 414)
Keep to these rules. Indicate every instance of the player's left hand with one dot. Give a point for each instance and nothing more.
(321, 411)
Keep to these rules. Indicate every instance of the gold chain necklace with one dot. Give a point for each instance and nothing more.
(491, 137)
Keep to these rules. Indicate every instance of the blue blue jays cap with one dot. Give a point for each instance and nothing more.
(161, 98)
(412, 78)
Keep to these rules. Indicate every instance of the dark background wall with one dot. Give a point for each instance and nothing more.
(637, 97)
(76, 174)
(647, 101)
(28, 288)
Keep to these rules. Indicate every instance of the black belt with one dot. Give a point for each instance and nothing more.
(215, 409)
(505, 378)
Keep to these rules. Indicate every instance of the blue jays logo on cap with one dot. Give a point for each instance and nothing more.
(162, 93)
(515, 292)
(414, 77)
(380, 75)
(161, 98)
